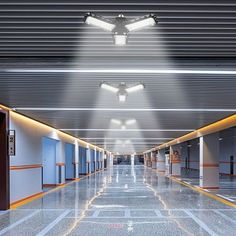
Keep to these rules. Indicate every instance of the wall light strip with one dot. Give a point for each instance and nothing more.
(123, 71)
(132, 130)
(220, 125)
(38, 123)
(123, 109)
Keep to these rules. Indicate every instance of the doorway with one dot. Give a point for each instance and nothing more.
(4, 163)
(49, 162)
(70, 160)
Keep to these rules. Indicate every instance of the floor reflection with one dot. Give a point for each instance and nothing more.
(124, 200)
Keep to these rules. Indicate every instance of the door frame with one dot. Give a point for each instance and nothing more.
(4, 162)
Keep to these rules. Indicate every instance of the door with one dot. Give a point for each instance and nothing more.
(70, 159)
(49, 161)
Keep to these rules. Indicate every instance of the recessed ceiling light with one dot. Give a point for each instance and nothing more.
(120, 26)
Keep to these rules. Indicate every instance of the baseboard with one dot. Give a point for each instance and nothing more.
(26, 199)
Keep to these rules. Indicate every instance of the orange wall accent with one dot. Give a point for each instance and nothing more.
(24, 167)
(60, 164)
(210, 165)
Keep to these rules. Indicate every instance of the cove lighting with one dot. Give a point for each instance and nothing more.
(120, 26)
(122, 90)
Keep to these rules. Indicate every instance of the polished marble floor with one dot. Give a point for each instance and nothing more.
(121, 201)
(227, 184)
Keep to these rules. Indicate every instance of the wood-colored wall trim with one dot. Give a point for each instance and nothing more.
(60, 164)
(25, 167)
(209, 165)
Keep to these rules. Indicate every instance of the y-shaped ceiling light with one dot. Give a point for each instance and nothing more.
(122, 90)
(120, 26)
(123, 123)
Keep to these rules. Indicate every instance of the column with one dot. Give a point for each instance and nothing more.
(167, 162)
(175, 161)
(102, 160)
(76, 161)
(153, 159)
(209, 161)
(161, 160)
(145, 159)
(132, 159)
(88, 161)
(60, 163)
(149, 159)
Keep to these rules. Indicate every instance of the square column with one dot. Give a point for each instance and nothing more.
(167, 163)
(88, 161)
(149, 161)
(175, 161)
(153, 160)
(145, 159)
(209, 161)
(76, 161)
(161, 160)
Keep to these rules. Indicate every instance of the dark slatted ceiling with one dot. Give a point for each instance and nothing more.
(51, 34)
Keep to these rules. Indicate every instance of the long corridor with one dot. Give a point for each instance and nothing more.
(123, 200)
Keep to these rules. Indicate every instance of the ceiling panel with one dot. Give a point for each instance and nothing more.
(190, 35)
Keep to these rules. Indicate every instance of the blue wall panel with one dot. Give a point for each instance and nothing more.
(82, 160)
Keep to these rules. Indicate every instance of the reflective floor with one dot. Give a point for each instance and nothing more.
(227, 184)
(122, 201)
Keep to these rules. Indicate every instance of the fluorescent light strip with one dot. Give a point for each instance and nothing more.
(121, 109)
(132, 130)
(128, 138)
(141, 143)
(123, 71)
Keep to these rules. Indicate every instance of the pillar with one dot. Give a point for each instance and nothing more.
(153, 160)
(88, 161)
(95, 159)
(102, 160)
(167, 163)
(145, 159)
(161, 160)
(209, 161)
(132, 159)
(76, 161)
(175, 161)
